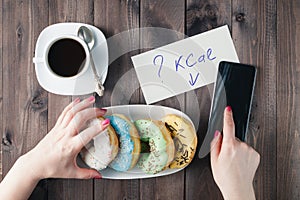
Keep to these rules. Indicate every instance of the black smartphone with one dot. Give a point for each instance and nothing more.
(234, 87)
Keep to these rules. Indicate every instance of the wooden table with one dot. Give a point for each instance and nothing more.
(265, 33)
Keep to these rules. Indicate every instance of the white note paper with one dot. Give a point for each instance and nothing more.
(183, 65)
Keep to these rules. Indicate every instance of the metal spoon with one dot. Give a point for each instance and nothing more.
(87, 36)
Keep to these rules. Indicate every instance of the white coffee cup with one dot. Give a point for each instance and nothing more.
(52, 46)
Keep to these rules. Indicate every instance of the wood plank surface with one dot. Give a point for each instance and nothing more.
(25, 121)
(24, 102)
(67, 11)
(39, 96)
(167, 14)
(288, 106)
(202, 16)
(255, 42)
(121, 81)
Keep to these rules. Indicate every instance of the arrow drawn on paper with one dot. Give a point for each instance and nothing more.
(193, 81)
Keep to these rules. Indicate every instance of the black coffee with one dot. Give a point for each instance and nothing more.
(66, 57)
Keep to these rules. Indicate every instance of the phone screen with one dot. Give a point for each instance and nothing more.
(234, 87)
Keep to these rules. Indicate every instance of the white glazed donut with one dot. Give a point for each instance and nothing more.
(102, 149)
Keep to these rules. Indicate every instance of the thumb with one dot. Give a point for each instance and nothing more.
(215, 146)
(84, 173)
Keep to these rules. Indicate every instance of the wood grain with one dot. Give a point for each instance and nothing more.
(39, 96)
(121, 82)
(255, 42)
(288, 106)
(67, 11)
(167, 14)
(202, 16)
(24, 103)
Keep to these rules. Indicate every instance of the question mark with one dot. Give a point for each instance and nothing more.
(161, 62)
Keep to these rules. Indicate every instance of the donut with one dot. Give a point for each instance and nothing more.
(161, 146)
(185, 139)
(102, 149)
(129, 139)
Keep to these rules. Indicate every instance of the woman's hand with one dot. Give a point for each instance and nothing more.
(55, 155)
(233, 162)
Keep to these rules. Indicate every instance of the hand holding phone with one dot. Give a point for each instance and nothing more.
(233, 162)
(234, 87)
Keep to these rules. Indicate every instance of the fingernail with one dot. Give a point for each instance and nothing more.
(105, 122)
(97, 177)
(228, 108)
(216, 134)
(103, 110)
(91, 99)
(100, 111)
(77, 100)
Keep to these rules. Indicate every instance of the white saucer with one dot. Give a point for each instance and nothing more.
(83, 84)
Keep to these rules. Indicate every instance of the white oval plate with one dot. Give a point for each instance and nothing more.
(135, 112)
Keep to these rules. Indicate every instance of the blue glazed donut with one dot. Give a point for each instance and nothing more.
(129, 141)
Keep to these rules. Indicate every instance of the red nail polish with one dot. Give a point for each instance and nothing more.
(216, 134)
(103, 110)
(97, 177)
(105, 122)
(91, 98)
(100, 111)
(228, 108)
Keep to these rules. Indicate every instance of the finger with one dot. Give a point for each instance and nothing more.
(228, 128)
(215, 147)
(67, 108)
(80, 119)
(83, 173)
(88, 134)
(77, 108)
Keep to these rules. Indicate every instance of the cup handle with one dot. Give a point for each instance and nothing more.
(37, 60)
